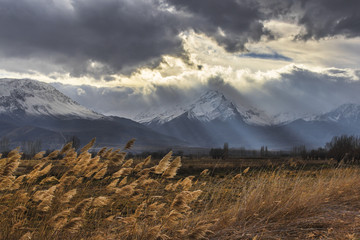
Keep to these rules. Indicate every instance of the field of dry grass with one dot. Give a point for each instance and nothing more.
(108, 197)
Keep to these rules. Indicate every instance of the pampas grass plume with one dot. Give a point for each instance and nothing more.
(163, 164)
(88, 146)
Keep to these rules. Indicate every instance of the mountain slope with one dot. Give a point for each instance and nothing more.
(26, 99)
(212, 105)
(32, 110)
(345, 114)
(212, 120)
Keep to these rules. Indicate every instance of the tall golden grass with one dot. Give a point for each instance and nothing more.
(105, 196)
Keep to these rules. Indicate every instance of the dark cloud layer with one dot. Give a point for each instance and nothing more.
(98, 38)
(231, 23)
(122, 35)
(324, 18)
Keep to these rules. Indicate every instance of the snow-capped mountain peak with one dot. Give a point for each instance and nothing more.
(209, 106)
(22, 98)
(212, 105)
(344, 113)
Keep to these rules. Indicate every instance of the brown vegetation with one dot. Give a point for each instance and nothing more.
(105, 197)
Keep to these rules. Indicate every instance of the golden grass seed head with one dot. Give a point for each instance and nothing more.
(39, 155)
(17, 183)
(147, 160)
(74, 225)
(122, 172)
(82, 206)
(171, 171)
(63, 214)
(11, 165)
(180, 202)
(123, 181)
(144, 172)
(13, 152)
(187, 183)
(101, 201)
(173, 217)
(27, 236)
(66, 198)
(88, 146)
(129, 144)
(147, 183)
(66, 148)
(100, 174)
(163, 164)
(6, 183)
(139, 210)
(204, 173)
(101, 151)
(118, 158)
(125, 191)
(107, 153)
(139, 167)
(128, 163)
(42, 194)
(50, 179)
(53, 154)
(154, 232)
(113, 184)
(201, 230)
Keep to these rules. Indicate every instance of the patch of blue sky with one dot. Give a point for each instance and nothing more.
(272, 56)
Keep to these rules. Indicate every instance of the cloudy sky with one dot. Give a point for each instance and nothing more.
(124, 57)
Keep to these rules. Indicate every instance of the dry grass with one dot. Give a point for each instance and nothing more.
(106, 197)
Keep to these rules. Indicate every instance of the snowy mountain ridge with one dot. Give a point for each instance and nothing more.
(30, 98)
(212, 105)
(349, 112)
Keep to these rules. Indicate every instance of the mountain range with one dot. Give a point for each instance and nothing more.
(212, 119)
(31, 110)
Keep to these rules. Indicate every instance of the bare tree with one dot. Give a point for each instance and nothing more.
(30, 148)
(4, 144)
(75, 141)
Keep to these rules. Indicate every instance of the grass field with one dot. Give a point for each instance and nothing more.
(78, 196)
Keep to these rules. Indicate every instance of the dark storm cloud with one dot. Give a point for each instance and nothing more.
(122, 35)
(231, 23)
(321, 18)
(324, 18)
(100, 38)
